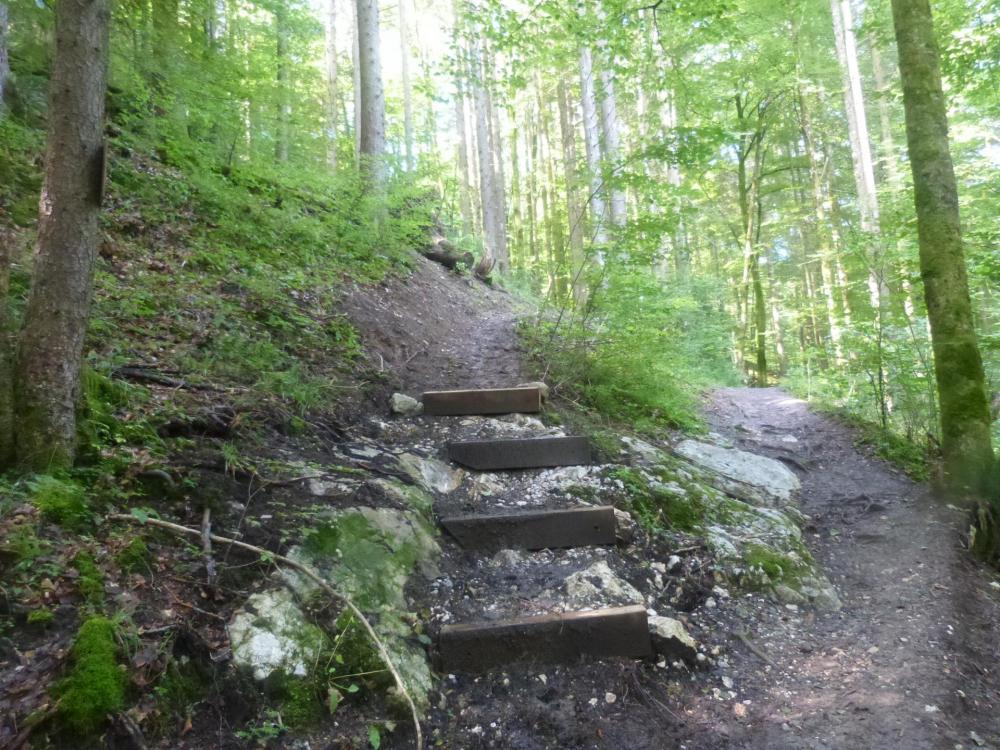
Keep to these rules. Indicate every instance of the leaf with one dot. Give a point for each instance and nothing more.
(374, 737)
(333, 698)
(144, 514)
(353, 688)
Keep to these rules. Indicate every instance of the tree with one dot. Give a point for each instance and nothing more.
(281, 33)
(371, 136)
(50, 349)
(332, 94)
(592, 142)
(958, 367)
(404, 45)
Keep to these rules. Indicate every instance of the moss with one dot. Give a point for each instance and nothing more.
(40, 617)
(134, 556)
(95, 687)
(777, 567)
(301, 705)
(658, 506)
(60, 501)
(90, 584)
(182, 684)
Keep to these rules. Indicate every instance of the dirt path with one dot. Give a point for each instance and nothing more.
(911, 660)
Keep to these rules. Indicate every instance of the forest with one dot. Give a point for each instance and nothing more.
(238, 237)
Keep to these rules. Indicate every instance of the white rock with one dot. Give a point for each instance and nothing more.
(673, 562)
(643, 452)
(671, 639)
(431, 474)
(404, 405)
(610, 698)
(270, 632)
(599, 585)
(756, 479)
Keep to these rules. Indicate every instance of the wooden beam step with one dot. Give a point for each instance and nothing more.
(526, 453)
(543, 529)
(483, 401)
(552, 638)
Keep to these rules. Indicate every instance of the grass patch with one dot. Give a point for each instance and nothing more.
(659, 506)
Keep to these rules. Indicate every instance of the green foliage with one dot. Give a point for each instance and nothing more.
(95, 686)
(40, 617)
(645, 351)
(61, 501)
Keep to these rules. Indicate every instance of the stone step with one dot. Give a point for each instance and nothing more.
(543, 529)
(483, 401)
(551, 638)
(525, 453)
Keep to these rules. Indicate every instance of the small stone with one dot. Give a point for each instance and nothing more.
(740, 711)
(788, 595)
(931, 709)
(610, 698)
(543, 679)
(710, 603)
(727, 681)
(404, 405)
(592, 701)
(995, 585)
(673, 562)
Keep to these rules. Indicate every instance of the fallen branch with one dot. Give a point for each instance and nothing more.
(206, 545)
(754, 649)
(333, 593)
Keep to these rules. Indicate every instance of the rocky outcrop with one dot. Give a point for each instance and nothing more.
(755, 479)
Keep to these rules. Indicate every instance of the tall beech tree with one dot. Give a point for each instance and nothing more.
(958, 367)
(50, 348)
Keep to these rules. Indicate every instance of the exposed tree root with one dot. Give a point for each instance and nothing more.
(333, 593)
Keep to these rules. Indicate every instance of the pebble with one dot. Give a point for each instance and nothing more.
(592, 701)
(610, 698)
(710, 603)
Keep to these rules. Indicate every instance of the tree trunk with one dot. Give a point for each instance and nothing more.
(574, 208)
(499, 180)
(592, 141)
(331, 84)
(611, 126)
(284, 95)
(965, 414)
(51, 344)
(371, 136)
(4, 59)
(854, 103)
(464, 199)
(404, 43)
(487, 177)
(356, 71)
(824, 240)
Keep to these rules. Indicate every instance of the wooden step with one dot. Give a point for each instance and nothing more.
(542, 529)
(526, 453)
(483, 401)
(553, 638)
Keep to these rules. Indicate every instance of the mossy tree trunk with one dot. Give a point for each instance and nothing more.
(47, 383)
(965, 415)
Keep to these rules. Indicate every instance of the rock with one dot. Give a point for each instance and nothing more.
(431, 474)
(642, 452)
(671, 639)
(319, 487)
(610, 698)
(270, 633)
(756, 479)
(787, 595)
(826, 600)
(626, 528)
(540, 386)
(599, 586)
(404, 405)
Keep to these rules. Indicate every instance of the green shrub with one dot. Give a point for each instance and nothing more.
(95, 687)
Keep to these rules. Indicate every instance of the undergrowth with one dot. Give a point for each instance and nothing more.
(639, 352)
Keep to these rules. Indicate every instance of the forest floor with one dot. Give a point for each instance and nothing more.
(909, 662)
